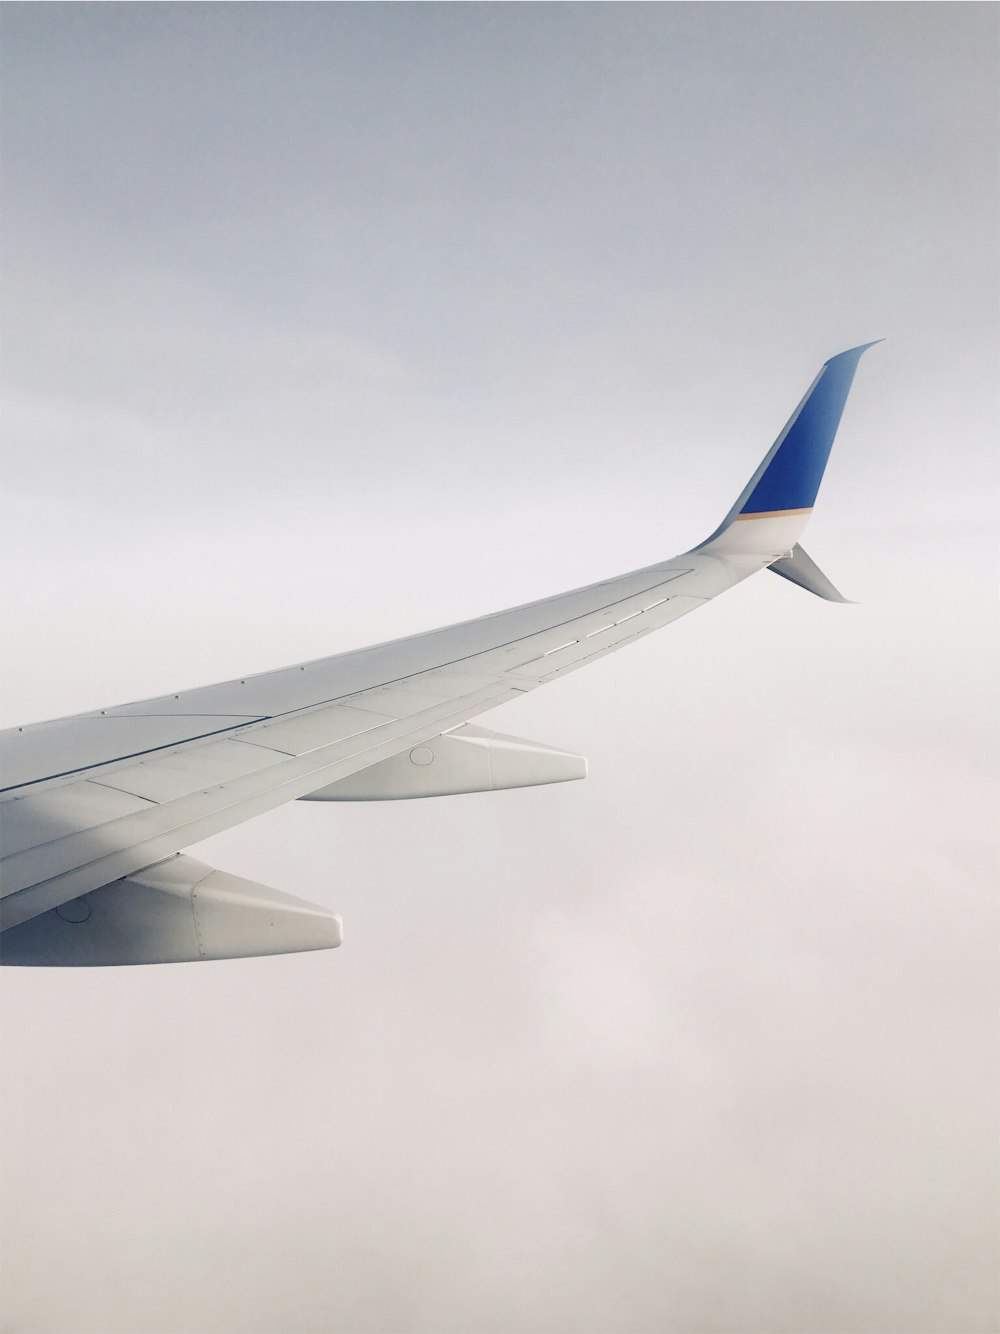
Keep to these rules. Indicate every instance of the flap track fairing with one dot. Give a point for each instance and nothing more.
(178, 911)
(468, 759)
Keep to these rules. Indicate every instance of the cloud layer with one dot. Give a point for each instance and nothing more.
(328, 323)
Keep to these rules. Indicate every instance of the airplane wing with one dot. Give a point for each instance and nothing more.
(96, 809)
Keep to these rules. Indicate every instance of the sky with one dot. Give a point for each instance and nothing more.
(324, 324)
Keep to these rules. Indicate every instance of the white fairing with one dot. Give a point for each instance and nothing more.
(469, 759)
(178, 912)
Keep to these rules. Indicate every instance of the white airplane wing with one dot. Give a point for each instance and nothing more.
(96, 809)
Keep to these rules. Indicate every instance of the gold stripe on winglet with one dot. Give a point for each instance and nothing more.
(772, 514)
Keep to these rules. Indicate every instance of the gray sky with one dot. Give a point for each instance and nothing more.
(326, 323)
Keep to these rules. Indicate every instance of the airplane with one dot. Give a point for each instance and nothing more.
(97, 809)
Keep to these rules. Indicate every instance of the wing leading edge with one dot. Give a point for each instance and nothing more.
(95, 799)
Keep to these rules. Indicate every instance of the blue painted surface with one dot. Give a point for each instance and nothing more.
(791, 480)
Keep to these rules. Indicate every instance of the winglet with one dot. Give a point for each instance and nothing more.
(801, 569)
(774, 506)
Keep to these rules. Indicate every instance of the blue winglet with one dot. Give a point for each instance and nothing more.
(794, 469)
(788, 478)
